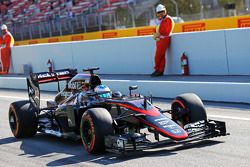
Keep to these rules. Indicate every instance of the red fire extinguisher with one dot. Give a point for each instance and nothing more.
(50, 66)
(184, 64)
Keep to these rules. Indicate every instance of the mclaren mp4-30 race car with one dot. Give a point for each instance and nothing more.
(105, 120)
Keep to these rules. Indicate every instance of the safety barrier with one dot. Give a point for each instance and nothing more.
(222, 52)
(202, 25)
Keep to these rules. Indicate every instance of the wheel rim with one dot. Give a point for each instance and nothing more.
(182, 121)
(13, 122)
(87, 134)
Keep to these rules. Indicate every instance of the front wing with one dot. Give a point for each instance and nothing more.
(135, 142)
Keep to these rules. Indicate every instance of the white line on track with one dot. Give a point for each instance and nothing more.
(213, 116)
(189, 82)
(18, 97)
(229, 117)
(149, 81)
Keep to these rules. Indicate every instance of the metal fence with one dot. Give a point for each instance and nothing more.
(141, 13)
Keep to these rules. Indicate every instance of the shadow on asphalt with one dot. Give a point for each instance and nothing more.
(8, 140)
(44, 146)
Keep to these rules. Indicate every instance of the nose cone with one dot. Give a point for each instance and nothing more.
(167, 127)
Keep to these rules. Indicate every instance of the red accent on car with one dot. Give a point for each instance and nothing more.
(153, 112)
(179, 102)
(93, 129)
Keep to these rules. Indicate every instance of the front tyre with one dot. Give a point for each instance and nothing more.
(188, 108)
(23, 119)
(96, 123)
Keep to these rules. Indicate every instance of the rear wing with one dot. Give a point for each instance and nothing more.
(35, 79)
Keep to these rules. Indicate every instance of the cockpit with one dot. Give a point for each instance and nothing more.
(81, 81)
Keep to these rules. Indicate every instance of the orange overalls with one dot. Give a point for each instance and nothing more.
(164, 29)
(6, 41)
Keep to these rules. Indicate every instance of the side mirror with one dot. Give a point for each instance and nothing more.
(132, 88)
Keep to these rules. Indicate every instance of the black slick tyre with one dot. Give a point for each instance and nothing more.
(23, 119)
(188, 108)
(95, 124)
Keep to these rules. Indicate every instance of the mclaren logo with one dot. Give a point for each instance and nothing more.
(49, 75)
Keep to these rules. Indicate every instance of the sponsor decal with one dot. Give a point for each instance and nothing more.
(66, 94)
(171, 126)
(160, 119)
(243, 22)
(176, 131)
(194, 27)
(33, 42)
(77, 38)
(163, 122)
(109, 35)
(31, 91)
(168, 125)
(75, 85)
(148, 31)
(51, 40)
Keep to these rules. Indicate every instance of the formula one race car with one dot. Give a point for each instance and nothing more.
(104, 120)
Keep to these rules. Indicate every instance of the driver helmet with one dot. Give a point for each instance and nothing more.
(103, 88)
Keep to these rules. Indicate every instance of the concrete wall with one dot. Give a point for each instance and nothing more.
(222, 52)
(114, 56)
(206, 52)
(238, 51)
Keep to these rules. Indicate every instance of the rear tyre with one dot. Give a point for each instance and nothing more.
(188, 108)
(95, 124)
(23, 119)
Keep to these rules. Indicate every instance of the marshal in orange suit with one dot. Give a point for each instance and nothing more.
(162, 37)
(6, 41)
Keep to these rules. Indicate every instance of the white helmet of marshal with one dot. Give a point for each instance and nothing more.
(4, 27)
(104, 91)
(160, 8)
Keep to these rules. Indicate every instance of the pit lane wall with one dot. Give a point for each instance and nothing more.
(221, 52)
(209, 91)
(224, 52)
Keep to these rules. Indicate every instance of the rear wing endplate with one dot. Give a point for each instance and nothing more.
(35, 79)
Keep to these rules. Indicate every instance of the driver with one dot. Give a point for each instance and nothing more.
(83, 86)
(103, 91)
